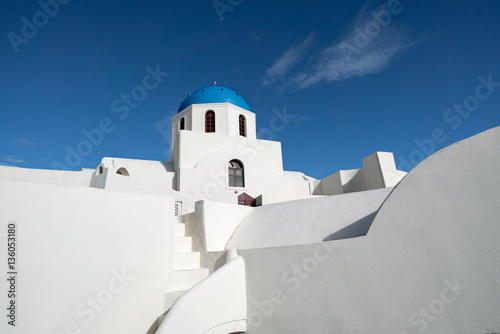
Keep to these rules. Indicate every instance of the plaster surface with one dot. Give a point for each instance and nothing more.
(309, 220)
(429, 263)
(86, 259)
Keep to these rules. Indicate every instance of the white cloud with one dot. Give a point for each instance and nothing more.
(254, 38)
(14, 160)
(366, 47)
(24, 142)
(10, 160)
(289, 59)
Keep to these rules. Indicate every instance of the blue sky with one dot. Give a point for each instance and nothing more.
(338, 79)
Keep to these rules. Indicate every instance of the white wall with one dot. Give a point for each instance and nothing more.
(330, 185)
(72, 244)
(149, 177)
(308, 220)
(378, 171)
(213, 223)
(429, 262)
(187, 114)
(196, 145)
(226, 120)
(204, 158)
(216, 305)
(80, 178)
(298, 183)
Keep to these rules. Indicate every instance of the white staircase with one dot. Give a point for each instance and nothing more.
(187, 270)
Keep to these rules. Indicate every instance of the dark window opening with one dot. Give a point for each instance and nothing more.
(210, 121)
(122, 171)
(243, 126)
(182, 124)
(235, 174)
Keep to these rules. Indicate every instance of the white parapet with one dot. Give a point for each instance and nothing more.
(218, 304)
(378, 171)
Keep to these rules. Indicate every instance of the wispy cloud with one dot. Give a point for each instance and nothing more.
(367, 46)
(14, 160)
(10, 160)
(24, 142)
(289, 59)
(254, 38)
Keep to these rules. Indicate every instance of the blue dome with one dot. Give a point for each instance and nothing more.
(214, 94)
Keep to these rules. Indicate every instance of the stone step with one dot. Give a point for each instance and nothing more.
(183, 244)
(185, 279)
(183, 261)
(179, 230)
(171, 297)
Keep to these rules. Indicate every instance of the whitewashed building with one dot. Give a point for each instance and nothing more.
(220, 239)
(216, 155)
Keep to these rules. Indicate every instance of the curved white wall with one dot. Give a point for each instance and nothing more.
(308, 220)
(429, 263)
(216, 305)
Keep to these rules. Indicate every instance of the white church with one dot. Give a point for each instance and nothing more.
(221, 240)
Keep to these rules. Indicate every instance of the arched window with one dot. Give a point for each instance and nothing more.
(243, 126)
(236, 174)
(210, 121)
(182, 124)
(122, 171)
(100, 170)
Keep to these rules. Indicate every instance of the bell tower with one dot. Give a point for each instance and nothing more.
(214, 109)
(215, 147)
